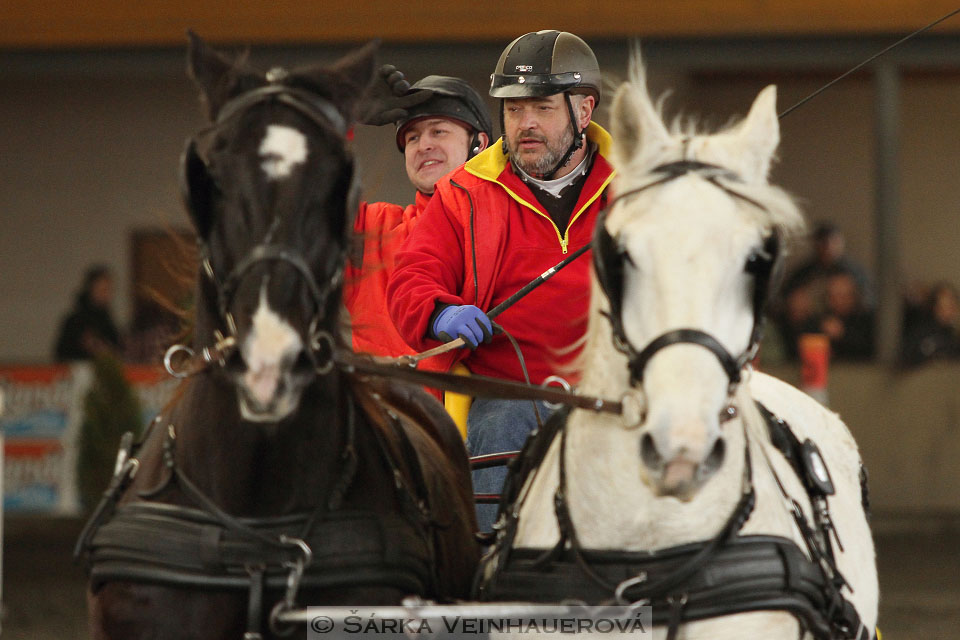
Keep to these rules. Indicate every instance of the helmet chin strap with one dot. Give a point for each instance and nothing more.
(574, 146)
(577, 143)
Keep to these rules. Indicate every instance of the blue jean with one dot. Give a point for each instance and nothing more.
(495, 426)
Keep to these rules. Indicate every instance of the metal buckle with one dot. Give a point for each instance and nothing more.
(297, 568)
(560, 381)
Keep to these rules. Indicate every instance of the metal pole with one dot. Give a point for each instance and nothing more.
(887, 191)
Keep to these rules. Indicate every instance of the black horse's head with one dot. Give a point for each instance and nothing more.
(271, 187)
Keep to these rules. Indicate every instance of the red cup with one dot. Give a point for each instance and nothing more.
(814, 350)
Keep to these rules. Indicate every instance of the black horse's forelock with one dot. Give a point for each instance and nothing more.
(316, 191)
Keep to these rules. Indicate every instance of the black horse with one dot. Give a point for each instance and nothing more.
(277, 476)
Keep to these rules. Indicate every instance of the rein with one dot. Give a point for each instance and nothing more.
(182, 362)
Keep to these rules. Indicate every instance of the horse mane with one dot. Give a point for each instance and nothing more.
(691, 140)
(642, 142)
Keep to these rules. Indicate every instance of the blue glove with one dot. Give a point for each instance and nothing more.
(463, 321)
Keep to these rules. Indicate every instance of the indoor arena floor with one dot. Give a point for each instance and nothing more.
(919, 559)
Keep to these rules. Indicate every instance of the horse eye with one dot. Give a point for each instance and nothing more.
(626, 257)
(756, 258)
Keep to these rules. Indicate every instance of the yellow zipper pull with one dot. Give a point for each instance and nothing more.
(563, 244)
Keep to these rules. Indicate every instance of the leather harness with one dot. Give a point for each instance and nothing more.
(728, 574)
(206, 548)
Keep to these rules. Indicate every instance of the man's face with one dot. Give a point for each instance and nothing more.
(830, 248)
(101, 291)
(538, 130)
(843, 296)
(434, 148)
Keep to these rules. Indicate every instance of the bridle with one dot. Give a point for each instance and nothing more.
(608, 260)
(197, 186)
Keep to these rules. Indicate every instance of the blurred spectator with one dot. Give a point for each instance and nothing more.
(796, 316)
(829, 257)
(88, 330)
(847, 321)
(931, 333)
(916, 296)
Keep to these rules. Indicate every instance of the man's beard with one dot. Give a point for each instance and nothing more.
(540, 167)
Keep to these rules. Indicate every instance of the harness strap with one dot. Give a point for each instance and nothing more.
(732, 366)
(676, 616)
(167, 544)
(254, 603)
(748, 573)
(817, 538)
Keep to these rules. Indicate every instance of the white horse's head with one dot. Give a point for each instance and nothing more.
(685, 256)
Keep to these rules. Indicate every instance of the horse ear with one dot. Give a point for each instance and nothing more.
(218, 76)
(356, 71)
(636, 127)
(758, 136)
(345, 81)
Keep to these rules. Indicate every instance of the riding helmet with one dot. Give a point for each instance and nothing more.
(544, 63)
(452, 98)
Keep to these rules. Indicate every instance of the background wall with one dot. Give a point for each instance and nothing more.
(89, 149)
(56, 23)
(89, 144)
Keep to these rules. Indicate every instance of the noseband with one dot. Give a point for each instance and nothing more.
(608, 260)
(194, 172)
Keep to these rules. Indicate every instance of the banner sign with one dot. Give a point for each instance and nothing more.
(42, 414)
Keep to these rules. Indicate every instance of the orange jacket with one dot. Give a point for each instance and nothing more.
(383, 227)
(484, 208)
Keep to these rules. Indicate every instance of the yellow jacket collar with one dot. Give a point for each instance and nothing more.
(491, 162)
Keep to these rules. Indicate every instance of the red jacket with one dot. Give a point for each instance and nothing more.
(383, 227)
(516, 241)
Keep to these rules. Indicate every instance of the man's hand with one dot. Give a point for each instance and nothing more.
(389, 97)
(463, 321)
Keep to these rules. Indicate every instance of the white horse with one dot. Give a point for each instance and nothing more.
(691, 214)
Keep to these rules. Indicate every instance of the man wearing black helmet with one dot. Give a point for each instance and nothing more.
(501, 220)
(441, 122)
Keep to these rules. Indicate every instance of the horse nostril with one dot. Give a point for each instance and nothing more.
(715, 459)
(649, 454)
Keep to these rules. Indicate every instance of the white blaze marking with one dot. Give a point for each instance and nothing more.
(270, 342)
(282, 149)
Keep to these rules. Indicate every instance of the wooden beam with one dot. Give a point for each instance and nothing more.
(32, 24)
